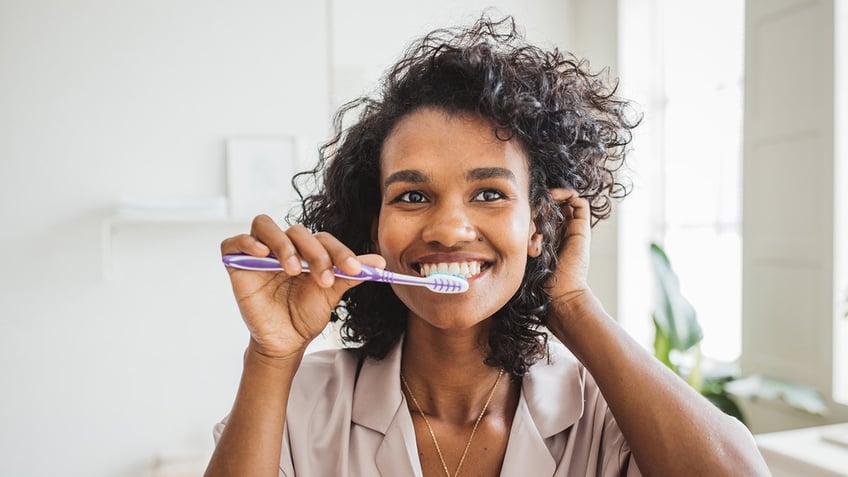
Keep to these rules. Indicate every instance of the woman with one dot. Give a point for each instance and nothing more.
(492, 158)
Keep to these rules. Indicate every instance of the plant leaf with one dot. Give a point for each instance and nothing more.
(722, 400)
(662, 347)
(796, 395)
(674, 315)
(695, 378)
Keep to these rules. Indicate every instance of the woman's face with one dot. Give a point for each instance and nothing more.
(455, 198)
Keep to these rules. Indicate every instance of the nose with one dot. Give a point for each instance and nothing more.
(449, 226)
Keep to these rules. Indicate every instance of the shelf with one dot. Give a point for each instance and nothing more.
(155, 219)
(810, 452)
(152, 219)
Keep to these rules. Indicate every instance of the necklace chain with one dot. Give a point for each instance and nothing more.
(473, 430)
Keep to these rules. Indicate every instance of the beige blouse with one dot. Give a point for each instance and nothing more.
(347, 423)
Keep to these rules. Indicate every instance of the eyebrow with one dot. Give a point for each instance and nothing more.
(480, 173)
(406, 175)
(490, 173)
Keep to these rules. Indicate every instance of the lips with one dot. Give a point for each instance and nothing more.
(465, 269)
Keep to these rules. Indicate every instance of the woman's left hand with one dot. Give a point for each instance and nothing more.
(569, 282)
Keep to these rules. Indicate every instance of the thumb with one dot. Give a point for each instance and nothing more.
(341, 285)
(372, 259)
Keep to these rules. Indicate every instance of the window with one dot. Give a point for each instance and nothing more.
(683, 62)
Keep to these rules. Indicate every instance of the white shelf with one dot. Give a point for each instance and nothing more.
(809, 452)
(152, 220)
(165, 218)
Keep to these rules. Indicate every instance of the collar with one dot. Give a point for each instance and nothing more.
(379, 405)
(551, 392)
(377, 395)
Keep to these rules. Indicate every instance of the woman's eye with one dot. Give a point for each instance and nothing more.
(488, 195)
(412, 197)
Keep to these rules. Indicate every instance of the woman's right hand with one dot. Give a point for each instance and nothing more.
(285, 310)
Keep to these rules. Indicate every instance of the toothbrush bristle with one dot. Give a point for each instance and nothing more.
(444, 282)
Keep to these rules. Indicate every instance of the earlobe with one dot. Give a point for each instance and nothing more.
(534, 245)
(534, 242)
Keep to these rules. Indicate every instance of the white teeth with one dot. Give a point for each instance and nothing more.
(463, 269)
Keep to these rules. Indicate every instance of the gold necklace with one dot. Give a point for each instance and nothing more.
(473, 430)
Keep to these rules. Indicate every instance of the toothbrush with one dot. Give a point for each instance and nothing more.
(438, 282)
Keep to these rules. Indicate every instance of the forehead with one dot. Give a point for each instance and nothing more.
(434, 140)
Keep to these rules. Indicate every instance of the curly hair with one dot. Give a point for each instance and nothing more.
(574, 131)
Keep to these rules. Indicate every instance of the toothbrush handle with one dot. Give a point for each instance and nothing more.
(247, 262)
(443, 284)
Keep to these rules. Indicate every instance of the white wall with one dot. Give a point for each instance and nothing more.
(596, 37)
(368, 35)
(101, 100)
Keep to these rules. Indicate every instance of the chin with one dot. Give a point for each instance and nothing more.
(450, 314)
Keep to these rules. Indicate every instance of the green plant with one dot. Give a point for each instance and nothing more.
(677, 345)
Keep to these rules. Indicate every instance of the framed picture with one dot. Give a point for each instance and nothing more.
(259, 173)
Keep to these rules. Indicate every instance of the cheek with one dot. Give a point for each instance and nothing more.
(519, 228)
(391, 235)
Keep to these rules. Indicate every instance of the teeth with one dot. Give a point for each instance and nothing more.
(462, 269)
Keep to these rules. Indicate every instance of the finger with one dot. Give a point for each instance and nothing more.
(372, 259)
(340, 255)
(265, 230)
(562, 194)
(244, 243)
(342, 285)
(577, 212)
(344, 258)
(314, 253)
(572, 205)
(580, 208)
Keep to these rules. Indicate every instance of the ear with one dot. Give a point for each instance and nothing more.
(534, 243)
(534, 246)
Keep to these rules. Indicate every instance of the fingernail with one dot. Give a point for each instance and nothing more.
(292, 263)
(327, 277)
(352, 262)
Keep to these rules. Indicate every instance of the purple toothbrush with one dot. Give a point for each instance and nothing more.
(438, 282)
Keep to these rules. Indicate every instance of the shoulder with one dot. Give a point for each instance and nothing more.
(560, 393)
(558, 372)
(571, 413)
(324, 380)
(325, 373)
(554, 390)
(320, 401)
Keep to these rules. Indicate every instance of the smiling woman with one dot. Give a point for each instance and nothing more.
(464, 200)
(491, 158)
(565, 123)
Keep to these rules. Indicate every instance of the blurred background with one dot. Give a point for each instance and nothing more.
(134, 136)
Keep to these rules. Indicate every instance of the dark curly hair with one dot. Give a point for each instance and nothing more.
(573, 128)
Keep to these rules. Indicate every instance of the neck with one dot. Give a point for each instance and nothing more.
(446, 371)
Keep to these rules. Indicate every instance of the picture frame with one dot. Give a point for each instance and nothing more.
(259, 173)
